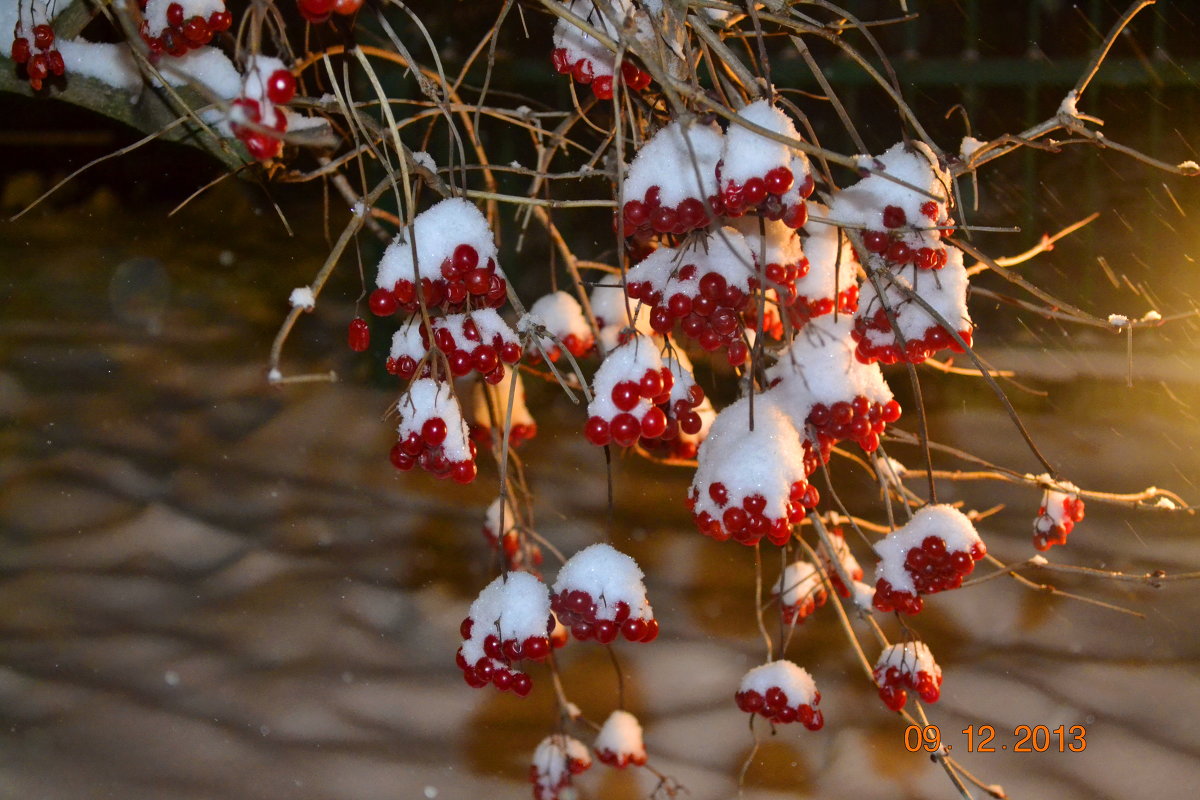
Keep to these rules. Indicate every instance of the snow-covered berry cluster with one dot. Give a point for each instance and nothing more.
(703, 287)
(479, 341)
(557, 758)
(508, 622)
(580, 55)
(561, 317)
(671, 179)
(489, 407)
(931, 553)
(318, 11)
(599, 594)
(752, 484)
(903, 209)
(612, 310)
(821, 384)
(173, 27)
(257, 117)
(40, 58)
(1061, 508)
(619, 742)
(627, 390)
(830, 283)
(902, 667)
(689, 412)
(761, 175)
(800, 592)
(783, 693)
(433, 434)
(455, 268)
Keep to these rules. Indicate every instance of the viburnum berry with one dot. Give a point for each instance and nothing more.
(281, 87)
(599, 594)
(359, 335)
(20, 50)
(931, 553)
(619, 742)
(783, 693)
(557, 758)
(1061, 508)
(316, 11)
(904, 667)
(347, 7)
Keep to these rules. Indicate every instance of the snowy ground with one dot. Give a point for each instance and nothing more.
(210, 589)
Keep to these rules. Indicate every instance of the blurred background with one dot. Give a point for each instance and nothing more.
(212, 588)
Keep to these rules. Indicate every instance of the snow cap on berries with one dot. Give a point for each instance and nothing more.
(909, 658)
(749, 154)
(438, 231)
(680, 159)
(619, 742)
(555, 760)
(515, 606)
(628, 362)
(912, 162)
(944, 290)
(820, 367)
(782, 692)
(609, 577)
(562, 317)
(1061, 508)
(724, 252)
(904, 577)
(491, 524)
(831, 262)
(800, 591)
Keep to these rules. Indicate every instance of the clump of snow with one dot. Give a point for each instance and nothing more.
(408, 342)
(968, 147)
(1152, 316)
(795, 682)
(211, 68)
(302, 297)
(492, 527)
(437, 230)
(609, 577)
(723, 252)
(1167, 503)
(1118, 320)
(681, 160)
(423, 159)
(1068, 105)
(513, 607)
(111, 64)
(619, 742)
(909, 658)
(562, 316)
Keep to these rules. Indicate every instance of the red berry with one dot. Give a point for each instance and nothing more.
(893, 217)
(602, 87)
(20, 50)
(754, 192)
(281, 87)
(196, 31)
(54, 61)
(174, 15)
(346, 7)
(597, 431)
(383, 303)
(220, 21)
(625, 429)
(359, 335)
(434, 431)
(875, 241)
(654, 423)
(778, 180)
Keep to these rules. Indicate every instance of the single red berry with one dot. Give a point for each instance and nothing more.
(281, 87)
(38, 68)
(220, 21)
(347, 7)
(20, 50)
(893, 217)
(383, 303)
(54, 61)
(196, 31)
(175, 15)
(779, 180)
(359, 335)
(434, 431)
(875, 241)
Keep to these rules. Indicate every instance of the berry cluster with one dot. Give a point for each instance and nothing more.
(859, 419)
(585, 71)
(899, 246)
(619, 742)
(752, 484)
(559, 315)
(689, 413)
(318, 11)
(580, 55)
(173, 27)
(932, 553)
(902, 667)
(671, 179)
(510, 621)
(463, 279)
(599, 595)
(783, 693)
(479, 341)
(761, 175)
(1059, 512)
(800, 592)
(557, 758)
(432, 433)
(628, 389)
(42, 59)
(703, 287)
(916, 348)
